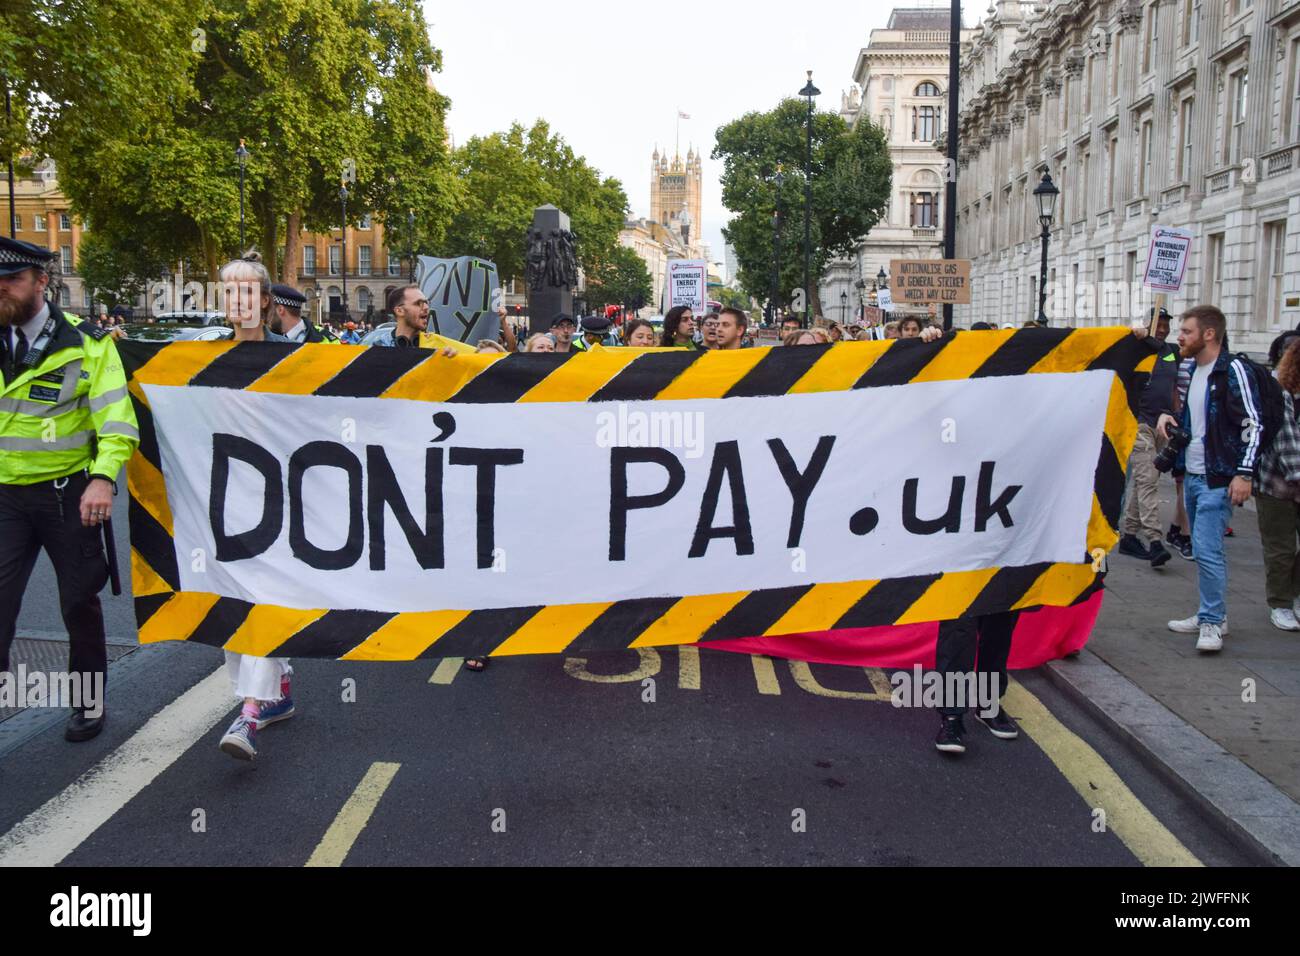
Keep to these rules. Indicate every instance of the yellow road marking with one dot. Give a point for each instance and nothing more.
(446, 670)
(649, 666)
(688, 667)
(803, 676)
(765, 675)
(1100, 786)
(352, 819)
(880, 681)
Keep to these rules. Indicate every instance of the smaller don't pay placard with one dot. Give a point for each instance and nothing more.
(925, 281)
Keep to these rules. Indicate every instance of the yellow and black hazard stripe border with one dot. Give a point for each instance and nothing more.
(164, 612)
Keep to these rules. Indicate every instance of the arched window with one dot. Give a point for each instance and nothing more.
(928, 89)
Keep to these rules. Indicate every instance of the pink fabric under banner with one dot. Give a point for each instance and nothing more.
(1042, 635)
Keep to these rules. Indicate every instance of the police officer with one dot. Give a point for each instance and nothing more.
(595, 331)
(66, 429)
(287, 319)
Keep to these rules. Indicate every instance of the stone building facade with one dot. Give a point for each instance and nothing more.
(1182, 113)
(901, 84)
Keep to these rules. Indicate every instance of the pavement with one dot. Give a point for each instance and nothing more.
(672, 756)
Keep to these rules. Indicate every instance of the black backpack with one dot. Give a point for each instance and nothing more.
(1271, 404)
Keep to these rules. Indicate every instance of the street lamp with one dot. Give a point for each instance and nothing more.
(844, 307)
(241, 155)
(1045, 192)
(808, 91)
(776, 251)
(882, 282)
(410, 241)
(343, 198)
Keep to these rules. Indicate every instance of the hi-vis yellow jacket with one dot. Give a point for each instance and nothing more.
(68, 412)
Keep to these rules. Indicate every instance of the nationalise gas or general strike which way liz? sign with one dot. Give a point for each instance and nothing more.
(926, 281)
(366, 503)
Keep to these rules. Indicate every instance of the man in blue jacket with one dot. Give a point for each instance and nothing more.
(1222, 415)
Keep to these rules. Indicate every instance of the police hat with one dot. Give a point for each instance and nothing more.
(16, 255)
(288, 296)
(595, 324)
(562, 317)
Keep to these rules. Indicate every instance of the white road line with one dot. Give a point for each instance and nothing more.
(51, 832)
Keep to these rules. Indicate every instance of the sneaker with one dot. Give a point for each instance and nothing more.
(1192, 625)
(950, 736)
(240, 740)
(1184, 547)
(1174, 534)
(1283, 618)
(1131, 545)
(271, 711)
(1159, 556)
(1000, 725)
(1211, 639)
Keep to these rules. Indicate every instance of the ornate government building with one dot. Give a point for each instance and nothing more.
(900, 84)
(1181, 113)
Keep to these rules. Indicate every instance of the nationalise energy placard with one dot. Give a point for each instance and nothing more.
(930, 281)
(381, 504)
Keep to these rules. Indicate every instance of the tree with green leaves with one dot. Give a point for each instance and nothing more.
(851, 176)
(116, 273)
(321, 90)
(506, 176)
(620, 279)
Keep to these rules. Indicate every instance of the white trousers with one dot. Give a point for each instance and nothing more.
(256, 677)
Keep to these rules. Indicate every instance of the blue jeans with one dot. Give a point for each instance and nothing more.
(1208, 512)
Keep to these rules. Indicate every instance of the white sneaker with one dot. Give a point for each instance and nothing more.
(1211, 639)
(1192, 625)
(1283, 618)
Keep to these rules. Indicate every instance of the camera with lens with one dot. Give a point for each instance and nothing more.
(1179, 438)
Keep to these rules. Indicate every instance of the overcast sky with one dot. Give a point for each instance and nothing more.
(610, 76)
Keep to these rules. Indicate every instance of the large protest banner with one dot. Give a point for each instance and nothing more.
(463, 295)
(373, 504)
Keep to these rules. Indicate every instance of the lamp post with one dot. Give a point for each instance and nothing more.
(950, 190)
(241, 155)
(808, 91)
(776, 252)
(844, 307)
(1045, 192)
(410, 241)
(882, 282)
(343, 198)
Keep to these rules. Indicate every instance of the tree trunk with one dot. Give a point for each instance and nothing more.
(292, 240)
(209, 254)
(270, 248)
(815, 301)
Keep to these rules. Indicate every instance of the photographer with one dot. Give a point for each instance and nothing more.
(1142, 512)
(1220, 433)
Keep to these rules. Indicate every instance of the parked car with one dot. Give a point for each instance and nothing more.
(177, 332)
(370, 337)
(188, 317)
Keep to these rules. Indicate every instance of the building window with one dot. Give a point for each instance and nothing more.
(309, 260)
(928, 89)
(363, 260)
(1235, 131)
(363, 299)
(38, 223)
(1112, 163)
(394, 265)
(1144, 158)
(18, 222)
(1099, 278)
(1185, 140)
(1273, 273)
(65, 297)
(65, 222)
(924, 208)
(365, 222)
(1214, 269)
(1190, 14)
(1085, 169)
(1291, 105)
(336, 259)
(1149, 36)
(65, 259)
(925, 124)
